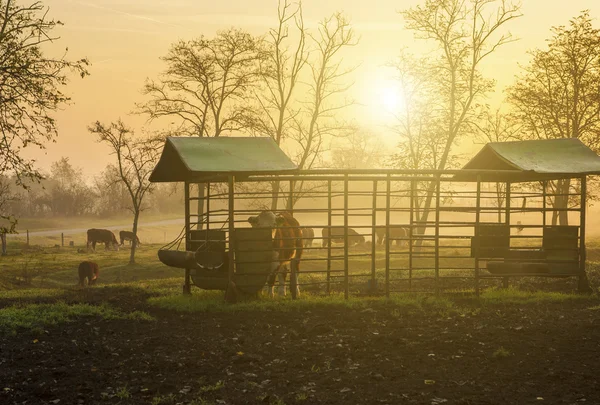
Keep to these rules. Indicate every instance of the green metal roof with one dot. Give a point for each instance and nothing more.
(213, 159)
(535, 159)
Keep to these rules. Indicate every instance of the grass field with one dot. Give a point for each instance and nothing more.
(135, 339)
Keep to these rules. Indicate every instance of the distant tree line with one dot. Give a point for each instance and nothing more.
(65, 192)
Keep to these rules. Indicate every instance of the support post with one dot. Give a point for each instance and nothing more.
(328, 240)
(582, 282)
(413, 185)
(507, 221)
(187, 286)
(477, 219)
(62, 239)
(346, 247)
(28, 238)
(437, 235)
(544, 188)
(290, 205)
(388, 205)
(207, 207)
(373, 286)
(231, 293)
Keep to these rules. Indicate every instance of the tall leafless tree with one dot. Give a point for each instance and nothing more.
(317, 123)
(208, 86)
(284, 60)
(136, 158)
(464, 34)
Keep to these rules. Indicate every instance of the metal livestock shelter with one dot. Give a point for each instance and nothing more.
(379, 231)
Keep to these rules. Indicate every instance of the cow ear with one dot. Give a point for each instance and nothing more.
(252, 220)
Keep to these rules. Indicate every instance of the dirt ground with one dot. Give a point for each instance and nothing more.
(542, 353)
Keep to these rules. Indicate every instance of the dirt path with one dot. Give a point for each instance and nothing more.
(111, 227)
(496, 355)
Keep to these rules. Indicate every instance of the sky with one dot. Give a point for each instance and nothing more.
(124, 40)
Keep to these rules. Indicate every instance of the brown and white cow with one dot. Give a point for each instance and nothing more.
(287, 245)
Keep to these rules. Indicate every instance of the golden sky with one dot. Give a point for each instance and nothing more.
(125, 38)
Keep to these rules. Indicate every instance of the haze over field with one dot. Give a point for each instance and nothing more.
(125, 39)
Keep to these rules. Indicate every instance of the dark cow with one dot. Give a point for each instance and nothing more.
(337, 235)
(308, 234)
(287, 245)
(127, 235)
(103, 236)
(89, 271)
(397, 234)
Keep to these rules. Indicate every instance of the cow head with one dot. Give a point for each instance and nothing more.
(266, 219)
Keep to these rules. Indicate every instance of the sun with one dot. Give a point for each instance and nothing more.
(390, 98)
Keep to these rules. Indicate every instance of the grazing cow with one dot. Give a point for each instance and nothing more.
(287, 245)
(337, 235)
(89, 271)
(103, 236)
(308, 234)
(397, 233)
(127, 235)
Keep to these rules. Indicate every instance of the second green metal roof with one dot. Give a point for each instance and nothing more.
(536, 159)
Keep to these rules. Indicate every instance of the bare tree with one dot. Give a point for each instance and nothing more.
(30, 85)
(316, 124)
(207, 87)
(360, 150)
(558, 94)
(136, 158)
(285, 57)
(464, 33)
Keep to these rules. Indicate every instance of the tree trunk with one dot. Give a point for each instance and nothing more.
(3, 239)
(274, 195)
(564, 188)
(136, 216)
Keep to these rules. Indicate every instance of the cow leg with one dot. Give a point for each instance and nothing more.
(271, 284)
(281, 276)
(94, 246)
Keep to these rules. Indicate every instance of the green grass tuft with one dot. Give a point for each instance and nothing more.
(37, 316)
(513, 296)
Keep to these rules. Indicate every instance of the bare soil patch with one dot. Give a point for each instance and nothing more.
(492, 354)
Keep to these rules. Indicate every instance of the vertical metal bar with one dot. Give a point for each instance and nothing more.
(187, 289)
(62, 239)
(231, 220)
(476, 236)
(437, 235)
(328, 240)
(290, 204)
(207, 197)
(544, 188)
(507, 221)
(294, 278)
(374, 239)
(582, 253)
(507, 210)
(346, 247)
(413, 185)
(388, 199)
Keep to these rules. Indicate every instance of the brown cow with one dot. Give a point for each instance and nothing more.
(89, 271)
(128, 235)
(103, 236)
(397, 234)
(287, 245)
(337, 235)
